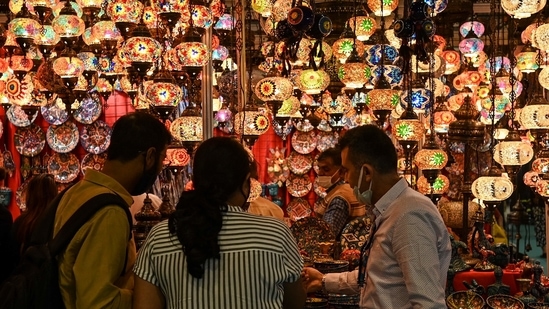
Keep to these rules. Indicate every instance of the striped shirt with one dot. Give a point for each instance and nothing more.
(257, 255)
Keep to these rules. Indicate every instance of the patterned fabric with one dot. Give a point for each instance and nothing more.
(337, 215)
(258, 255)
(409, 257)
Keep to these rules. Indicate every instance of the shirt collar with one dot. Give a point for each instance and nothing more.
(388, 198)
(108, 182)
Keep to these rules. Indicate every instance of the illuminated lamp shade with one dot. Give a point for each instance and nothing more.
(471, 46)
(430, 159)
(442, 119)
(437, 6)
(89, 3)
(251, 122)
(453, 61)
(225, 22)
(342, 48)
(223, 115)
(194, 54)
(67, 67)
(263, 7)
(373, 54)
(509, 153)
(328, 52)
(290, 106)
(220, 53)
(46, 39)
(125, 11)
(164, 93)
(313, 82)
(534, 117)
(103, 86)
(21, 63)
(392, 38)
(408, 130)
(218, 8)
(142, 49)
(24, 27)
(492, 188)
(522, 9)
(88, 38)
(542, 187)
(365, 27)
(479, 59)
(543, 78)
(303, 52)
(452, 212)
(393, 74)
(202, 16)
(150, 18)
(475, 26)
(177, 157)
(58, 8)
(530, 179)
(382, 8)
(187, 128)
(68, 25)
(106, 30)
(540, 166)
(383, 99)
(526, 60)
(353, 75)
(440, 186)
(274, 89)
(420, 99)
(540, 37)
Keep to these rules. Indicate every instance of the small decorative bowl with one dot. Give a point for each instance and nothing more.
(501, 301)
(465, 300)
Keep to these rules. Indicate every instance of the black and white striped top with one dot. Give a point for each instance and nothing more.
(257, 255)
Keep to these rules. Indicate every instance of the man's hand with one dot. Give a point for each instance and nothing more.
(312, 279)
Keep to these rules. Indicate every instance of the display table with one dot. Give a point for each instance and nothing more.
(486, 278)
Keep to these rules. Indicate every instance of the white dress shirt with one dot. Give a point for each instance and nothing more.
(409, 258)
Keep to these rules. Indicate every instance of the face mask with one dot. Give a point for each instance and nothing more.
(366, 196)
(147, 179)
(326, 181)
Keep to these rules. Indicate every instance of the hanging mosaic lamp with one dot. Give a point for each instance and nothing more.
(527, 59)
(382, 8)
(522, 9)
(365, 26)
(273, 90)
(68, 25)
(25, 28)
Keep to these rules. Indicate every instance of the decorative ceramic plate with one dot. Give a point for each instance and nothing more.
(315, 164)
(299, 164)
(501, 301)
(298, 208)
(93, 161)
(29, 141)
(304, 142)
(309, 233)
(255, 190)
(319, 190)
(64, 167)
(89, 110)
(464, 299)
(55, 113)
(326, 140)
(298, 186)
(96, 137)
(63, 138)
(17, 116)
(355, 234)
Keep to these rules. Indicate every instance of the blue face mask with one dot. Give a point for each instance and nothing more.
(366, 196)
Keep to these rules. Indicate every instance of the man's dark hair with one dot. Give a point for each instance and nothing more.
(134, 133)
(369, 144)
(331, 153)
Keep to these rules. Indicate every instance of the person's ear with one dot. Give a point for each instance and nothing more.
(150, 157)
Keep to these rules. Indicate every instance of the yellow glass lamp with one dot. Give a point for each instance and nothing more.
(441, 185)
(382, 7)
(526, 60)
(312, 82)
(365, 27)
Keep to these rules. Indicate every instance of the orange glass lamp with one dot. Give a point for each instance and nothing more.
(262, 7)
(142, 51)
(42, 8)
(542, 187)
(383, 100)
(251, 123)
(164, 94)
(273, 90)
(353, 73)
(90, 8)
(188, 127)
(20, 65)
(68, 25)
(440, 185)
(202, 16)
(365, 27)
(431, 159)
(108, 34)
(69, 67)
(530, 179)
(343, 48)
(126, 14)
(452, 212)
(46, 40)
(312, 82)
(383, 7)
(193, 54)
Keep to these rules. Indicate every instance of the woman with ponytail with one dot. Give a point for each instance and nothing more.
(211, 253)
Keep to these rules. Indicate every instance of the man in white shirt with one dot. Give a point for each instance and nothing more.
(406, 262)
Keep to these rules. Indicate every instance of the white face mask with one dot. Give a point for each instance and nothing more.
(366, 196)
(326, 181)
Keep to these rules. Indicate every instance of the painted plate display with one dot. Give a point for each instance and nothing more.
(93, 161)
(304, 142)
(319, 191)
(64, 167)
(298, 208)
(29, 141)
(55, 113)
(20, 198)
(96, 137)
(355, 234)
(89, 110)
(255, 190)
(63, 138)
(298, 186)
(309, 233)
(17, 116)
(299, 164)
(326, 140)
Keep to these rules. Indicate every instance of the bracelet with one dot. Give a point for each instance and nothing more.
(324, 285)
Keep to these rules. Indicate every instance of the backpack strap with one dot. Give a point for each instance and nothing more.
(82, 215)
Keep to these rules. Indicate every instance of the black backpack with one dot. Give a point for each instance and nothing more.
(34, 282)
